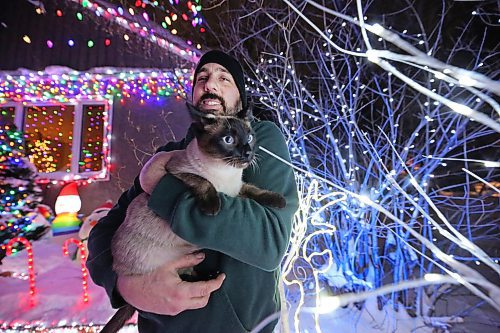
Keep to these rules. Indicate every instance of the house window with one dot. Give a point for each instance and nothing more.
(64, 140)
(92, 139)
(48, 133)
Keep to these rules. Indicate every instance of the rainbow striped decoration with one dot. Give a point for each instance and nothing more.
(65, 223)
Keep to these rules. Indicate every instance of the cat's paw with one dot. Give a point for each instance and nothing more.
(272, 199)
(210, 205)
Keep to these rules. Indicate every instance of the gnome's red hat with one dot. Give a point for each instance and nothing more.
(68, 200)
(69, 189)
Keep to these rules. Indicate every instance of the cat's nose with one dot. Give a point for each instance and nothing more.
(247, 155)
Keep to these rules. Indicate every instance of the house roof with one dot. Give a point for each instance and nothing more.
(36, 40)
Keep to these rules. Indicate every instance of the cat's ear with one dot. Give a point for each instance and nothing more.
(200, 123)
(246, 113)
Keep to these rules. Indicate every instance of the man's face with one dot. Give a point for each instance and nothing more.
(215, 90)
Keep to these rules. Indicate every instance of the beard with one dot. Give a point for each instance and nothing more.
(226, 110)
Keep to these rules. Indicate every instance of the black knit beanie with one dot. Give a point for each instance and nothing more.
(229, 63)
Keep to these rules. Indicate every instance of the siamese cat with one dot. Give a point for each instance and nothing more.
(212, 162)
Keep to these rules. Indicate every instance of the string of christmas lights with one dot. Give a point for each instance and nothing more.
(31, 269)
(83, 259)
(441, 70)
(137, 21)
(73, 85)
(142, 26)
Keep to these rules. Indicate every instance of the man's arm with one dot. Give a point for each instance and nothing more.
(243, 229)
(161, 291)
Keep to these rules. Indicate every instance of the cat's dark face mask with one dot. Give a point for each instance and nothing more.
(229, 138)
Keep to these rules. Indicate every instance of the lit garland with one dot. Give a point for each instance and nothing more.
(67, 88)
(83, 259)
(418, 59)
(194, 9)
(31, 269)
(145, 28)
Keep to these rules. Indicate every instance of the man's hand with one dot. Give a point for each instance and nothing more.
(163, 292)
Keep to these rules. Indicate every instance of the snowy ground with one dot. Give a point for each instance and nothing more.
(59, 297)
(59, 302)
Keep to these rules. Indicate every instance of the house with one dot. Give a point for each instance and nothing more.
(95, 88)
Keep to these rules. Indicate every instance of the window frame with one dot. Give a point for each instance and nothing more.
(74, 174)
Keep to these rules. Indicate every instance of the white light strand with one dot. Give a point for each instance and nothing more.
(480, 80)
(465, 273)
(481, 180)
(472, 78)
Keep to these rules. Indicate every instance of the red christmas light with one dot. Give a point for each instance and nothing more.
(83, 259)
(31, 269)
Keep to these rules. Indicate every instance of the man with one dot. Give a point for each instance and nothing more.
(242, 245)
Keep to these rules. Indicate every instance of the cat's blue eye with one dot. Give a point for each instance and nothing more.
(250, 138)
(228, 139)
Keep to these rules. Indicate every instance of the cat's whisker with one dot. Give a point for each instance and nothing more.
(229, 161)
(255, 164)
(257, 160)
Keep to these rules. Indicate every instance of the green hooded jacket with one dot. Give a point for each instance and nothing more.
(246, 241)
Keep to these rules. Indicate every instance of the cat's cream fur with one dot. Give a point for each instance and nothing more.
(151, 244)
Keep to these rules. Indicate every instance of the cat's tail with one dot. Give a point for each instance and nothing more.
(119, 319)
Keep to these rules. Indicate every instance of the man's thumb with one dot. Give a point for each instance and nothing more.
(189, 260)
